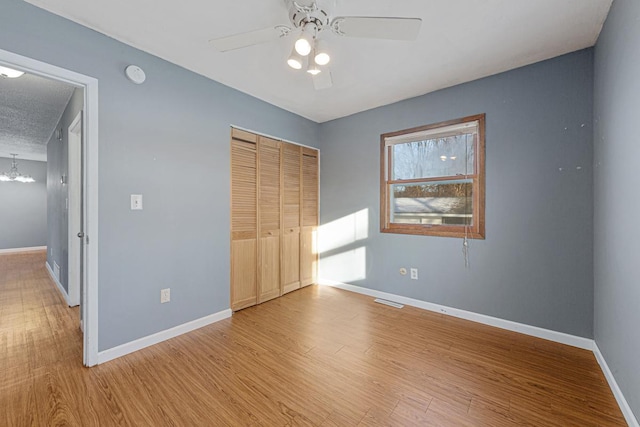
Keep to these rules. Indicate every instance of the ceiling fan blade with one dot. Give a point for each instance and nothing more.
(323, 80)
(237, 41)
(377, 27)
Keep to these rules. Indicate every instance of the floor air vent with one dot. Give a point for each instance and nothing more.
(387, 302)
(56, 271)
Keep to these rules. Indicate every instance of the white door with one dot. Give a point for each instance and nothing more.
(74, 194)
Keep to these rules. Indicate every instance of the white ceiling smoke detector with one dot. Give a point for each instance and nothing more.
(135, 74)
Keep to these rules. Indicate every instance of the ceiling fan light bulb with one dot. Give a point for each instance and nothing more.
(312, 68)
(321, 53)
(295, 60)
(294, 63)
(322, 58)
(303, 47)
(304, 44)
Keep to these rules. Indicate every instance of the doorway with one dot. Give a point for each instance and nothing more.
(84, 132)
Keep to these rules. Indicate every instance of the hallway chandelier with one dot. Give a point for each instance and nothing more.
(14, 175)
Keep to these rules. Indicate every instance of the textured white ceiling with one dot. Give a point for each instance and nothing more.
(460, 41)
(30, 108)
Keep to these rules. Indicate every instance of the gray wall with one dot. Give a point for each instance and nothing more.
(617, 150)
(535, 266)
(167, 139)
(23, 207)
(58, 165)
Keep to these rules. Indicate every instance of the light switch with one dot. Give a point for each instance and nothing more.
(136, 202)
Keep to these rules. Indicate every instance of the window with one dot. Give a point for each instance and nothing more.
(432, 179)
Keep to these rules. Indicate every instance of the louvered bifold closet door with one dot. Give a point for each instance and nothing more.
(269, 208)
(291, 161)
(244, 220)
(308, 252)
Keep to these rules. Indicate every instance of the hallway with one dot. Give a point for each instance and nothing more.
(40, 338)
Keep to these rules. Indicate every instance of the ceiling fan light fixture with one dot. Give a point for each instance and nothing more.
(295, 60)
(321, 53)
(305, 41)
(312, 66)
(313, 69)
(10, 73)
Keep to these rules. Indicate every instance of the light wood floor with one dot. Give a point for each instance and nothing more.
(318, 356)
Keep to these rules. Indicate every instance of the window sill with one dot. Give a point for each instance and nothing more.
(438, 231)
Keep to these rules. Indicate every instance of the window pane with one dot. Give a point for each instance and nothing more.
(450, 156)
(438, 203)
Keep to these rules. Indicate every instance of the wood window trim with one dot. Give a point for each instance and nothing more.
(477, 230)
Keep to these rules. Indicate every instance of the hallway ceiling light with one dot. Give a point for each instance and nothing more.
(10, 72)
(14, 175)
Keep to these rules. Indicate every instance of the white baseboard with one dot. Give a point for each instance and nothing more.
(18, 250)
(617, 393)
(58, 284)
(560, 337)
(139, 344)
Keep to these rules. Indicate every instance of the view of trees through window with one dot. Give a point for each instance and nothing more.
(431, 178)
(451, 156)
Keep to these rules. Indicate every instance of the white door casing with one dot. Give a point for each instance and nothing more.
(89, 187)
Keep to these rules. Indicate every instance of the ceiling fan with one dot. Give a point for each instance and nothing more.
(308, 21)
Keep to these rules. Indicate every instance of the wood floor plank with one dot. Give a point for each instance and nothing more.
(314, 357)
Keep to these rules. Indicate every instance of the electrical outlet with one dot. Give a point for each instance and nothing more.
(165, 295)
(414, 274)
